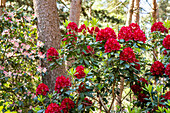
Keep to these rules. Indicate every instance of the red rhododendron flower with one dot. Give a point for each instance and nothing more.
(83, 26)
(53, 108)
(166, 42)
(72, 26)
(62, 83)
(141, 97)
(125, 33)
(105, 34)
(87, 102)
(137, 66)
(128, 55)
(80, 72)
(167, 70)
(42, 89)
(71, 34)
(111, 45)
(89, 50)
(158, 26)
(167, 95)
(82, 88)
(165, 52)
(136, 89)
(67, 104)
(52, 52)
(93, 30)
(143, 80)
(139, 35)
(157, 68)
(134, 27)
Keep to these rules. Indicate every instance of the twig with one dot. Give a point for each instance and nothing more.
(100, 99)
(113, 94)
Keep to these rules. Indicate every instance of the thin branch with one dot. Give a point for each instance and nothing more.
(113, 94)
(126, 96)
(100, 99)
(149, 3)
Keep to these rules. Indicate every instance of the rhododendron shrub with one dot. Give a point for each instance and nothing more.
(98, 61)
(100, 58)
(20, 54)
(42, 89)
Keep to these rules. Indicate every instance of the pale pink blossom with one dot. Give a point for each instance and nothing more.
(16, 44)
(2, 68)
(40, 55)
(40, 44)
(39, 69)
(44, 70)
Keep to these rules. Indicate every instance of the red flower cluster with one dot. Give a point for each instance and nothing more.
(62, 83)
(166, 42)
(111, 45)
(165, 52)
(92, 31)
(125, 33)
(105, 34)
(128, 55)
(144, 81)
(132, 32)
(157, 68)
(82, 88)
(71, 35)
(167, 70)
(66, 105)
(136, 89)
(89, 50)
(167, 95)
(158, 26)
(42, 89)
(72, 26)
(52, 52)
(83, 26)
(53, 108)
(80, 72)
(87, 102)
(141, 97)
(134, 27)
(139, 35)
(137, 66)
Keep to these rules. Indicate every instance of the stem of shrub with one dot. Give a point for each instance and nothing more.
(113, 94)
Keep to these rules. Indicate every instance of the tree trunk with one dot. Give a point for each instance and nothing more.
(136, 12)
(130, 12)
(75, 9)
(154, 16)
(49, 33)
(2, 2)
(1, 12)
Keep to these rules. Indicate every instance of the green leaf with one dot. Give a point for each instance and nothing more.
(80, 107)
(127, 65)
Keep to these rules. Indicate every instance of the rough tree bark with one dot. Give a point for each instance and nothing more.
(49, 32)
(136, 12)
(154, 16)
(1, 12)
(2, 4)
(75, 8)
(130, 12)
